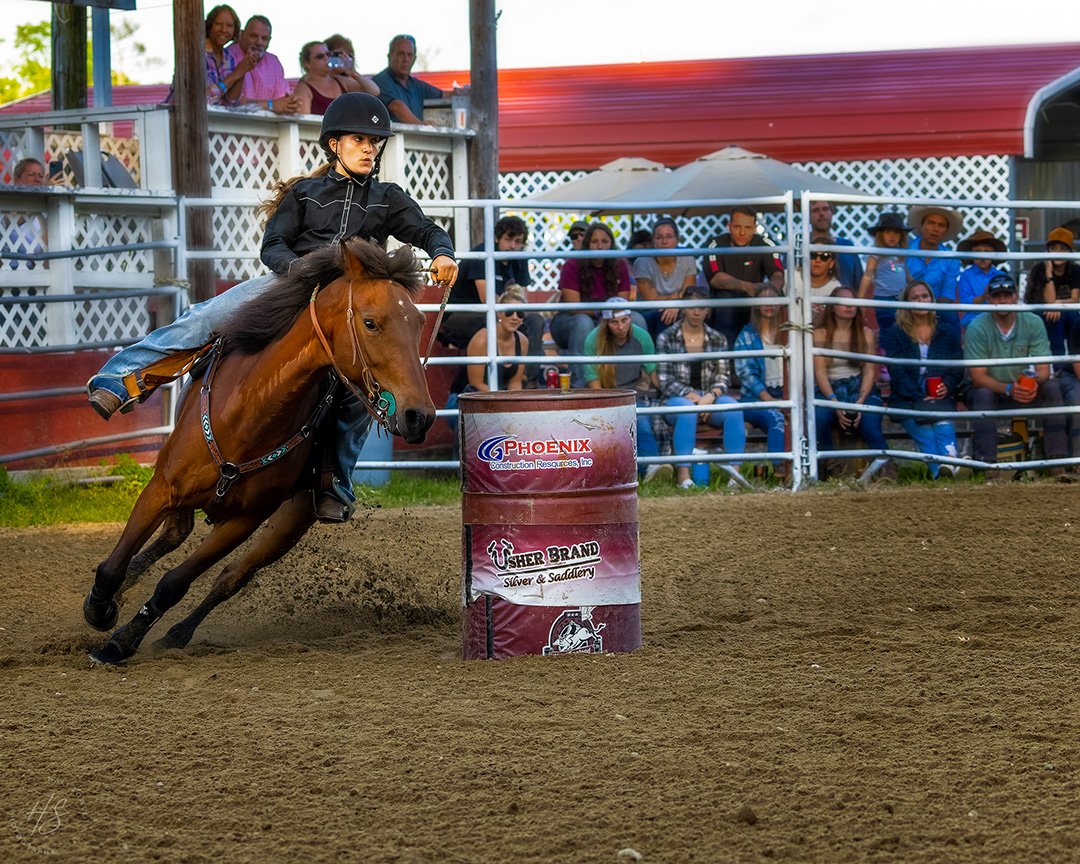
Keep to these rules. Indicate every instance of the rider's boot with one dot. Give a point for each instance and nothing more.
(333, 499)
(107, 402)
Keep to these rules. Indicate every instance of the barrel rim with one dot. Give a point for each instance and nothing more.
(490, 402)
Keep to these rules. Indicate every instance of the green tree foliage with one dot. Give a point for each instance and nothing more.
(31, 72)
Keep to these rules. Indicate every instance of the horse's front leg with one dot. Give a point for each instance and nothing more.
(100, 608)
(225, 537)
(281, 533)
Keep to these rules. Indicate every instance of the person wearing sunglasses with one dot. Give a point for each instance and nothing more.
(401, 92)
(458, 328)
(509, 342)
(823, 279)
(319, 86)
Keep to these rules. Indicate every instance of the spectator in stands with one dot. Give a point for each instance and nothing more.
(849, 271)
(1006, 334)
(577, 234)
(224, 78)
(343, 63)
(840, 379)
(739, 275)
(509, 342)
(589, 281)
(642, 238)
(28, 172)
(885, 275)
(458, 328)
(917, 335)
(761, 379)
(399, 90)
(976, 275)
(1069, 380)
(933, 228)
(663, 278)
(618, 335)
(697, 382)
(264, 83)
(319, 85)
(822, 279)
(1056, 280)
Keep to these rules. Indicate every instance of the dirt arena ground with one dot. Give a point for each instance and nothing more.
(880, 676)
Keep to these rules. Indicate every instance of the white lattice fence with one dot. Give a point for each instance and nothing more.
(106, 320)
(427, 175)
(237, 228)
(103, 229)
(958, 177)
(239, 161)
(22, 324)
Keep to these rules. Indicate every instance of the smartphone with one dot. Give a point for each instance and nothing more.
(56, 168)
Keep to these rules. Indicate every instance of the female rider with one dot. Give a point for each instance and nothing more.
(340, 200)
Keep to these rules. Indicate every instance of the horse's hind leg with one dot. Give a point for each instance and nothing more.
(281, 533)
(178, 526)
(172, 587)
(100, 608)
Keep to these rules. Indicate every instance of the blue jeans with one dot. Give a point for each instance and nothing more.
(771, 421)
(570, 329)
(194, 328)
(685, 427)
(938, 438)
(646, 438)
(190, 330)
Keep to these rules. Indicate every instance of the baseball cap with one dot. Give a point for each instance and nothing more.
(696, 290)
(617, 310)
(1061, 235)
(1001, 284)
(578, 226)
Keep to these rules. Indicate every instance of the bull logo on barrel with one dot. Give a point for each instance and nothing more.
(574, 632)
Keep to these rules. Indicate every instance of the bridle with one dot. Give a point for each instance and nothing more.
(379, 403)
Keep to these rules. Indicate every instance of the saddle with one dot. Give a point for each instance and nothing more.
(142, 382)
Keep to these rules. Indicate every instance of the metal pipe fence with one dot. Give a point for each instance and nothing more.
(798, 354)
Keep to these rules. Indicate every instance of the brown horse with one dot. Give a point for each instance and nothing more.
(266, 387)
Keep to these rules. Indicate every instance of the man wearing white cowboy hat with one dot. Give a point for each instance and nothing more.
(932, 227)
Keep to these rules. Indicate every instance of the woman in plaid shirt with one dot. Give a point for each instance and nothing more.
(696, 382)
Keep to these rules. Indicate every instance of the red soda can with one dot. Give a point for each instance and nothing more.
(551, 378)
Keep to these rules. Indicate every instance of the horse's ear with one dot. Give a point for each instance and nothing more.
(350, 264)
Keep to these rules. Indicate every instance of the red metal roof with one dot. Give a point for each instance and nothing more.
(940, 102)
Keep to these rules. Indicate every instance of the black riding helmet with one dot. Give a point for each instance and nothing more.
(355, 113)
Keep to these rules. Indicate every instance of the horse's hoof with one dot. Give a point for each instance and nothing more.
(173, 641)
(100, 615)
(111, 655)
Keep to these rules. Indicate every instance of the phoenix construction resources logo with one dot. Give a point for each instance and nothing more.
(508, 453)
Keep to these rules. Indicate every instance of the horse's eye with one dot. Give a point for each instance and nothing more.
(370, 325)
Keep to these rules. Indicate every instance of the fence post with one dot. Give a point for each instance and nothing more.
(795, 356)
(806, 335)
(60, 317)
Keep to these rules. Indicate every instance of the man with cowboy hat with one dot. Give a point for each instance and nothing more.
(1056, 280)
(971, 286)
(932, 227)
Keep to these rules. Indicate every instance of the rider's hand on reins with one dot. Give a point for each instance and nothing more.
(444, 270)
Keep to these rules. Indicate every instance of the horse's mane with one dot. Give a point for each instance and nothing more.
(256, 324)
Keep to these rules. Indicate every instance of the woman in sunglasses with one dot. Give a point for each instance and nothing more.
(823, 279)
(508, 343)
(321, 83)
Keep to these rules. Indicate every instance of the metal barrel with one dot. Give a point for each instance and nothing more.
(549, 523)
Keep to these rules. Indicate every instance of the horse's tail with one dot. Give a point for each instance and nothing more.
(280, 189)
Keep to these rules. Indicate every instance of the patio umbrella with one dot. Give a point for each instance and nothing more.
(729, 173)
(621, 176)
